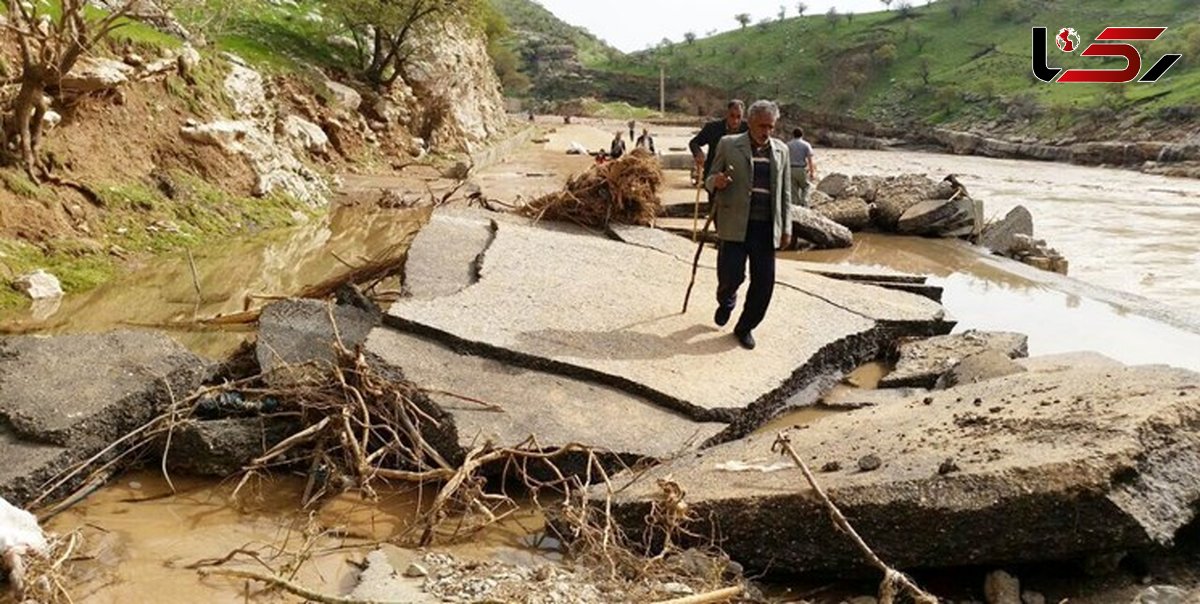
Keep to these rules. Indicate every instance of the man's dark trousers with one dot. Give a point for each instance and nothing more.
(759, 248)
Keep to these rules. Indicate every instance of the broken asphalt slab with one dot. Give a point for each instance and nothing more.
(68, 397)
(557, 410)
(1055, 463)
(609, 312)
(921, 362)
(434, 269)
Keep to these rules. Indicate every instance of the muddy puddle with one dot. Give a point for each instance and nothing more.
(1058, 315)
(228, 279)
(140, 539)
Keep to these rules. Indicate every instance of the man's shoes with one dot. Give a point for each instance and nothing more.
(722, 315)
(746, 340)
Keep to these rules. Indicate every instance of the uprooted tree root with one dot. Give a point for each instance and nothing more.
(363, 430)
(623, 191)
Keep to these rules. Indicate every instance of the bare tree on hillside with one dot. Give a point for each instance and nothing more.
(743, 19)
(49, 46)
(383, 31)
(887, 4)
(832, 16)
(782, 12)
(800, 8)
(690, 37)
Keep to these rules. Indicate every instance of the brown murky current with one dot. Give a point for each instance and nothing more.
(1121, 230)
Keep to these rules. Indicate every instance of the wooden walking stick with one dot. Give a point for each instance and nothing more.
(712, 212)
(696, 265)
(696, 210)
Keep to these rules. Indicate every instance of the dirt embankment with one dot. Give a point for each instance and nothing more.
(214, 147)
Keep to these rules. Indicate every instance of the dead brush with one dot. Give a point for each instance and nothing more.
(622, 191)
(365, 430)
(41, 577)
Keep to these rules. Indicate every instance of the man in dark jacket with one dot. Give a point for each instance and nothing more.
(712, 132)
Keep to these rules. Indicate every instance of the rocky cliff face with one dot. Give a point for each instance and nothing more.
(454, 88)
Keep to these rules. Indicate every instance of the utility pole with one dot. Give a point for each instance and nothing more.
(662, 89)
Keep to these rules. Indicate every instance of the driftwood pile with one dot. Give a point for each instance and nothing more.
(623, 191)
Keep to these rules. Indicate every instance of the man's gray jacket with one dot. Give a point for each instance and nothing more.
(733, 203)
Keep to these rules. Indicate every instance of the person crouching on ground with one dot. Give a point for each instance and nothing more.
(751, 186)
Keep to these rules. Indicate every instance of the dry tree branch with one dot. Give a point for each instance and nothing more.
(286, 585)
(891, 576)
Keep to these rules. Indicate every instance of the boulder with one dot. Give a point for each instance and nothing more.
(939, 218)
(51, 118)
(344, 98)
(834, 185)
(817, 198)
(813, 227)
(92, 74)
(228, 135)
(864, 187)
(246, 89)
(39, 285)
(896, 194)
(999, 237)
(982, 472)
(920, 363)
(851, 212)
(304, 135)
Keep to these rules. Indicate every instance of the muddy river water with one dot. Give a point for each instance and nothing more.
(1124, 233)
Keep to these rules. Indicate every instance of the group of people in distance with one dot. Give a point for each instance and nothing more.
(617, 149)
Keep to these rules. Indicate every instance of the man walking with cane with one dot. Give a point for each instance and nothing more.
(750, 183)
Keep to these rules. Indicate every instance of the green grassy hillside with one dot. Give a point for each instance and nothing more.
(952, 61)
(530, 20)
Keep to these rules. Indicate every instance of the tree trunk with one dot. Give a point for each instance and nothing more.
(27, 105)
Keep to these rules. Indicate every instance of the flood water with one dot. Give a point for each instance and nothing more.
(140, 539)
(229, 277)
(1119, 229)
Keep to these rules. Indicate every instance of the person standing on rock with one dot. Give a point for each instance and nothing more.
(804, 170)
(617, 149)
(712, 132)
(752, 198)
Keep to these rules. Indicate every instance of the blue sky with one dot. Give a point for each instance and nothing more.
(631, 25)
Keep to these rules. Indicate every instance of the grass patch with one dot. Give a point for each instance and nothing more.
(18, 182)
(617, 110)
(76, 271)
(278, 39)
(142, 219)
